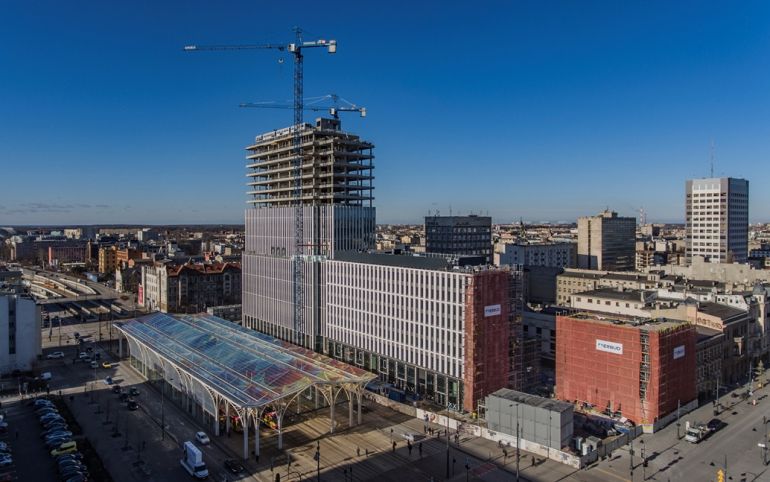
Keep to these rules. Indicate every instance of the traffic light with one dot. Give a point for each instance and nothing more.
(720, 475)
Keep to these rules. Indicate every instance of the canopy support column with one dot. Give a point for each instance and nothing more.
(359, 396)
(245, 424)
(350, 408)
(257, 417)
(216, 416)
(227, 417)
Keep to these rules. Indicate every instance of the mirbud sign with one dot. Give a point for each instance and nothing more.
(609, 347)
(492, 310)
(678, 352)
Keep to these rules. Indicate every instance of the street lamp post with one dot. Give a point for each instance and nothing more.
(518, 443)
(162, 411)
(446, 419)
(318, 459)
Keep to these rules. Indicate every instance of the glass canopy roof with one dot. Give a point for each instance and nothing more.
(248, 368)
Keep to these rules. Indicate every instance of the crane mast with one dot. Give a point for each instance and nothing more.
(298, 260)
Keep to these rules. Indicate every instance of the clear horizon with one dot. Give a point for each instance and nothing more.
(517, 110)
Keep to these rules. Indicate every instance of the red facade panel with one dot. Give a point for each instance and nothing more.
(602, 363)
(487, 336)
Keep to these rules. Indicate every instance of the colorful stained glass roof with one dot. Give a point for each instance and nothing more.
(248, 368)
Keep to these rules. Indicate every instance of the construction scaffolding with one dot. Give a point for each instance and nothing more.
(336, 167)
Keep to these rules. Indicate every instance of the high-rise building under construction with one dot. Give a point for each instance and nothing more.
(335, 192)
(430, 325)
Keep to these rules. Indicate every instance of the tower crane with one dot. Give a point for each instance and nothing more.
(313, 105)
(296, 49)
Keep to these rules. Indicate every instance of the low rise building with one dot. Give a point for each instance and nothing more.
(189, 288)
(536, 419)
(638, 369)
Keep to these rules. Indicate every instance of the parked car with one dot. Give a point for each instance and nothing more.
(133, 392)
(116, 389)
(73, 471)
(55, 355)
(74, 455)
(54, 428)
(82, 355)
(233, 466)
(94, 364)
(715, 424)
(58, 434)
(50, 417)
(39, 402)
(202, 438)
(55, 442)
(64, 463)
(132, 405)
(46, 376)
(106, 365)
(53, 422)
(44, 410)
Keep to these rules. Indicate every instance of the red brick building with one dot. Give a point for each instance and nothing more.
(640, 369)
(488, 332)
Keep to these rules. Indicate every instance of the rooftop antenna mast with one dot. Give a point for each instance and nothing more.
(296, 49)
(712, 158)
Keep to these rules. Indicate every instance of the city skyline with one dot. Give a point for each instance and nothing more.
(107, 120)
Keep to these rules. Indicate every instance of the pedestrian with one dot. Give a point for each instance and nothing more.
(367, 452)
(358, 451)
(394, 446)
(533, 461)
(410, 450)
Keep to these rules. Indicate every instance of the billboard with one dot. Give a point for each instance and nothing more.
(678, 352)
(609, 347)
(492, 310)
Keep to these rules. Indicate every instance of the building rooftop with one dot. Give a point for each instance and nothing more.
(616, 294)
(201, 268)
(720, 311)
(432, 261)
(533, 400)
(648, 324)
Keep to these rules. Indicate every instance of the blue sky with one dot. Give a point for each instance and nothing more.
(540, 110)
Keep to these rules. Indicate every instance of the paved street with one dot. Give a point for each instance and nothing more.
(347, 449)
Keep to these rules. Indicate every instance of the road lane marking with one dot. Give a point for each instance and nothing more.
(612, 474)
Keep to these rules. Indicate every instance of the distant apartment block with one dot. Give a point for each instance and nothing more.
(189, 288)
(459, 235)
(717, 219)
(606, 242)
(58, 255)
(551, 255)
(20, 332)
(108, 259)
